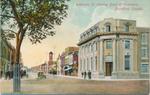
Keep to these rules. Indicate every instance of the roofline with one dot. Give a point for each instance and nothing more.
(103, 34)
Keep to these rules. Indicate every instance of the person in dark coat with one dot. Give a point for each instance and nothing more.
(84, 75)
(89, 74)
(1, 72)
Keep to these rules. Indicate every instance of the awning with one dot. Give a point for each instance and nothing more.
(67, 68)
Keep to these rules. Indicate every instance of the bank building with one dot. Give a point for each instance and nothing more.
(115, 48)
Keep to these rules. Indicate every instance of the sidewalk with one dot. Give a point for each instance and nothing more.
(96, 79)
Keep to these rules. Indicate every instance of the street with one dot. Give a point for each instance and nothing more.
(64, 85)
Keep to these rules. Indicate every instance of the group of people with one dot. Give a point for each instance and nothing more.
(6, 75)
(85, 74)
(9, 74)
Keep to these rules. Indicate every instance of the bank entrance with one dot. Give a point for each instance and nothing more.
(108, 68)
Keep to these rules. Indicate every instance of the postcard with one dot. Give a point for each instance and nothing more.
(74, 47)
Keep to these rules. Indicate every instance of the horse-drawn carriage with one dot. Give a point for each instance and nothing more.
(41, 75)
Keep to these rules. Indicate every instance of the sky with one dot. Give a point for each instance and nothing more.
(82, 14)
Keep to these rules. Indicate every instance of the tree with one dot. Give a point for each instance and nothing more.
(35, 19)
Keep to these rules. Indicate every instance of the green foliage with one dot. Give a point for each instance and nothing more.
(37, 18)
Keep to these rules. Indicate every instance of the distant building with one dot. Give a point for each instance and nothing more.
(68, 61)
(115, 48)
(44, 67)
(36, 68)
(47, 67)
(50, 61)
(40, 68)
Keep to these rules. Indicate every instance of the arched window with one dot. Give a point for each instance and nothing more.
(97, 29)
(108, 28)
(91, 64)
(126, 29)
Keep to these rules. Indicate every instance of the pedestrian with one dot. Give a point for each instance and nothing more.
(89, 74)
(9, 75)
(21, 73)
(84, 75)
(1, 74)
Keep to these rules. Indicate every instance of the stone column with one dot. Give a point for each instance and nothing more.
(101, 70)
(114, 59)
(80, 63)
(132, 55)
(98, 55)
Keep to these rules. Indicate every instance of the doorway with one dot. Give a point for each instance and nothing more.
(108, 68)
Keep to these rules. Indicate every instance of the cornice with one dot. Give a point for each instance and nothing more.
(106, 34)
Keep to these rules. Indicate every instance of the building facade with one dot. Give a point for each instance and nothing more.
(114, 48)
(7, 58)
(144, 52)
(68, 62)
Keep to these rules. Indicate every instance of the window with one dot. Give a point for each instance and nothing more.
(84, 65)
(126, 28)
(94, 30)
(97, 29)
(127, 44)
(95, 62)
(127, 62)
(91, 63)
(108, 28)
(144, 52)
(144, 68)
(108, 44)
(144, 38)
(88, 64)
(80, 65)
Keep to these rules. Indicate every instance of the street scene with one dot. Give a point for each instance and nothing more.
(64, 85)
(74, 47)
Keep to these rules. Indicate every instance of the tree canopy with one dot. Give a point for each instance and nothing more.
(34, 18)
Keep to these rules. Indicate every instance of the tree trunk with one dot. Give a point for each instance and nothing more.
(16, 66)
(16, 78)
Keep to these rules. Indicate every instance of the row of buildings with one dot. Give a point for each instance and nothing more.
(68, 62)
(115, 48)
(46, 67)
(7, 58)
(65, 64)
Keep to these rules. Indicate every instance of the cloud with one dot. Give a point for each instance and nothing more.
(141, 16)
